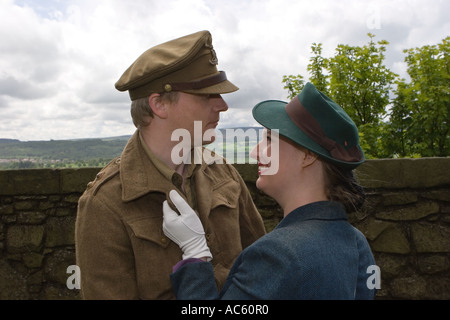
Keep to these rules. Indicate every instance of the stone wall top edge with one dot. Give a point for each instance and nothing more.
(45, 181)
(404, 173)
(374, 173)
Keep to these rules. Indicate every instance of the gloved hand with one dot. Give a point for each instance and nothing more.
(185, 229)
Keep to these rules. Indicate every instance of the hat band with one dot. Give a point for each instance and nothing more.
(306, 122)
(197, 84)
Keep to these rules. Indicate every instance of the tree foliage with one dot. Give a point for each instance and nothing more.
(394, 118)
(422, 106)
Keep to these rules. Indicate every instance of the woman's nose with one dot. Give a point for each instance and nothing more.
(254, 153)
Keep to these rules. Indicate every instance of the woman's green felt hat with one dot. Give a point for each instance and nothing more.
(315, 122)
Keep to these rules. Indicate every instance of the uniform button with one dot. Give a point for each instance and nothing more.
(100, 175)
(90, 184)
(118, 160)
(164, 240)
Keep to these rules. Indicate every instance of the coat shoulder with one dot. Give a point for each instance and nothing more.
(107, 173)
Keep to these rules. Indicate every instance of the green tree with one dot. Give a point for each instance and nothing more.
(425, 101)
(398, 136)
(317, 68)
(357, 79)
(294, 84)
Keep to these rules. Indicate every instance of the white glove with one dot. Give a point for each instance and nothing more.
(185, 229)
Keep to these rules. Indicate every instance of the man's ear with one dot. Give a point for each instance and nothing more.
(157, 106)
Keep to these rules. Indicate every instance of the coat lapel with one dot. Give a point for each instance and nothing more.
(138, 174)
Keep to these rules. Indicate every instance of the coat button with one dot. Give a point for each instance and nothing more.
(164, 240)
(100, 175)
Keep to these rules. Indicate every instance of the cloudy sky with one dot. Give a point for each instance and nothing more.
(59, 59)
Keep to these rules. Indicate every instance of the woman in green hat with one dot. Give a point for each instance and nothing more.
(314, 252)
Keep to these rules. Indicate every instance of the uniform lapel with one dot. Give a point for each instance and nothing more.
(138, 174)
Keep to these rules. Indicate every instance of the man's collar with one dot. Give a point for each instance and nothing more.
(139, 166)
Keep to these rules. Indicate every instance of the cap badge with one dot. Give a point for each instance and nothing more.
(214, 61)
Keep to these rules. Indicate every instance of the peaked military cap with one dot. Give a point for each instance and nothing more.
(315, 122)
(187, 64)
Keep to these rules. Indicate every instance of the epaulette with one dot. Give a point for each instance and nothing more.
(104, 175)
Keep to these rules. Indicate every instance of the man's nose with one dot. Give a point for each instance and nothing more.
(219, 104)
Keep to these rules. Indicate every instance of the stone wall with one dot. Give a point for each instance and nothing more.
(406, 220)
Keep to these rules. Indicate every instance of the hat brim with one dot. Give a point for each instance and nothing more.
(272, 115)
(219, 88)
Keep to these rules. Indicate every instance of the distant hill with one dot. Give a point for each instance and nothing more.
(75, 152)
(8, 140)
(82, 149)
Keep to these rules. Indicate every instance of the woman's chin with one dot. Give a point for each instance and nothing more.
(260, 184)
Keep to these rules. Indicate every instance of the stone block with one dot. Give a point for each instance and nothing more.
(75, 180)
(60, 231)
(24, 205)
(401, 198)
(431, 264)
(409, 288)
(32, 259)
(10, 278)
(391, 240)
(30, 182)
(414, 212)
(404, 173)
(6, 209)
(56, 265)
(421, 287)
(442, 195)
(31, 217)
(438, 288)
(392, 265)
(429, 237)
(6, 183)
(372, 228)
(24, 238)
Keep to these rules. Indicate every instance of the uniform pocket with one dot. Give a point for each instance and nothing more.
(149, 229)
(226, 194)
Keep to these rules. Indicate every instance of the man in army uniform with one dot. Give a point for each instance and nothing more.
(120, 246)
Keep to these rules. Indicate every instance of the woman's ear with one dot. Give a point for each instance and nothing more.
(309, 158)
(157, 106)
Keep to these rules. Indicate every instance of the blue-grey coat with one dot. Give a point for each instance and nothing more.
(313, 253)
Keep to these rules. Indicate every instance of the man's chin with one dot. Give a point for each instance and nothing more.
(209, 140)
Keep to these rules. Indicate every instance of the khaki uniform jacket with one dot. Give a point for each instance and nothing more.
(120, 246)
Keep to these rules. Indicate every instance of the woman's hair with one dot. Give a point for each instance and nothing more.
(142, 114)
(341, 186)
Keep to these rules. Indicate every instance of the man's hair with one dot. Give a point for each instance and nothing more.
(142, 114)
(342, 186)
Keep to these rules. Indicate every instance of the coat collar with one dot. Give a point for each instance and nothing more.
(321, 210)
(139, 175)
